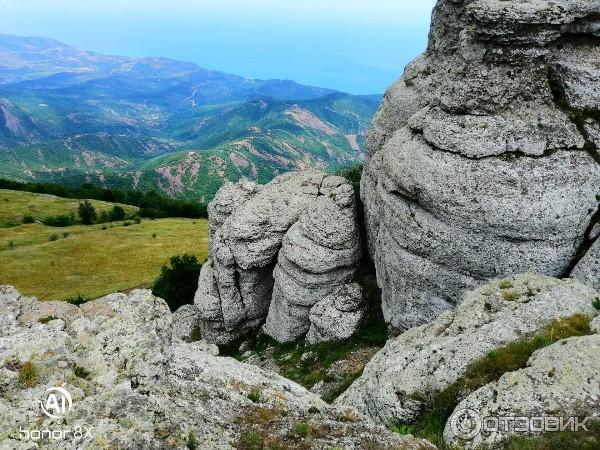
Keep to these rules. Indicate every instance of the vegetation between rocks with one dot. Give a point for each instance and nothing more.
(488, 369)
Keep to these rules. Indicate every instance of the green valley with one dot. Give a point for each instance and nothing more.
(157, 124)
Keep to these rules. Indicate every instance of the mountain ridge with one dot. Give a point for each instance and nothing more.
(68, 115)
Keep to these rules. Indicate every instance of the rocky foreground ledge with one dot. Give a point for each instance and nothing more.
(138, 386)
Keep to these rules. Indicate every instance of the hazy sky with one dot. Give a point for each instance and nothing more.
(351, 45)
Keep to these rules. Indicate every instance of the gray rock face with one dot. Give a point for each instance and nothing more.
(587, 269)
(337, 316)
(275, 252)
(559, 381)
(425, 360)
(481, 157)
(186, 323)
(138, 387)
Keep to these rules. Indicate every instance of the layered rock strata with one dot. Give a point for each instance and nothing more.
(483, 158)
(275, 252)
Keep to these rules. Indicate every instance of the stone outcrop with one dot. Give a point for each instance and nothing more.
(135, 385)
(337, 316)
(427, 359)
(186, 323)
(587, 269)
(483, 158)
(275, 252)
(559, 381)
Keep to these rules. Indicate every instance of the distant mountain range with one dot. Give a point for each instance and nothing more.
(72, 116)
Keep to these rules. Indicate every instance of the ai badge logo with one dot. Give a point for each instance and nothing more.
(58, 403)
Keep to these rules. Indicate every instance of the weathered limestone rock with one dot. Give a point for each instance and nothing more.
(186, 323)
(587, 269)
(136, 386)
(560, 381)
(481, 157)
(425, 360)
(275, 252)
(337, 316)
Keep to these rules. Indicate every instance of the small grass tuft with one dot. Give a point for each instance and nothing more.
(28, 374)
(45, 320)
(250, 440)
(510, 296)
(254, 395)
(192, 441)
(301, 429)
(505, 284)
(596, 303)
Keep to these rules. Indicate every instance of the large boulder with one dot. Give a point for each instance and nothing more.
(135, 385)
(425, 360)
(481, 159)
(560, 382)
(275, 252)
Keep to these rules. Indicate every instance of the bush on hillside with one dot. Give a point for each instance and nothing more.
(28, 219)
(177, 283)
(61, 220)
(87, 213)
(117, 214)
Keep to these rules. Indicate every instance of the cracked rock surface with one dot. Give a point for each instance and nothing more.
(275, 252)
(140, 387)
(559, 381)
(483, 158)
(425, 360)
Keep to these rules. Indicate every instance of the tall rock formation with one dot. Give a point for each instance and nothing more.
(483, 158)
(276, 252)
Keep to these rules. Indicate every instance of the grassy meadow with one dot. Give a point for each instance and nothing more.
(14, 205)
(54, 263)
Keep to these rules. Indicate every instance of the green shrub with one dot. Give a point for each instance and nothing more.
(254, 395)
(154, 235)
(79, 300)
(301, 429)
(126, 224)
(192, 441)
(177, 283)
(60, 221)
(11, 245)
(65, 235)
(81, 372)
(251, 440)
(28, 374)
(28, 219)
(87, 213)
(117, 214)
(596, 303)
(137, 220)
(53, 237)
